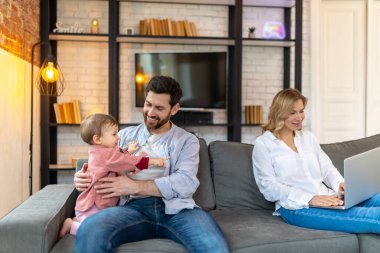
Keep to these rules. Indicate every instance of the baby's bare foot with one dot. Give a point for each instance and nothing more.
(65, 228)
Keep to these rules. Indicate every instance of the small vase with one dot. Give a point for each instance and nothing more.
(251, 35)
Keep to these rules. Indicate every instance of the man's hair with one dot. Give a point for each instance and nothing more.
(165, 85)
(282, 106)
(94, 125)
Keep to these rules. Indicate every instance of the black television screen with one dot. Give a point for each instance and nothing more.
(202, 76)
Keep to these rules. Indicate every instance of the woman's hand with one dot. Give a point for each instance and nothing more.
(341, 188)
(324, 200)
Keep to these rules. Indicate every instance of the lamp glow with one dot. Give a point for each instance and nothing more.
(50, 73)
(140, 78)
(94, 26)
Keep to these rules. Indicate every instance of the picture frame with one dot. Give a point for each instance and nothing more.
(129, 31)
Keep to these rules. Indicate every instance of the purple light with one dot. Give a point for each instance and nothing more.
(274, 30)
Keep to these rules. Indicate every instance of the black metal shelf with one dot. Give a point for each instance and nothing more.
(175, 40)
(234, 43)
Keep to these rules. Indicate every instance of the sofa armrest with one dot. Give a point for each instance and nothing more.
(33, 226)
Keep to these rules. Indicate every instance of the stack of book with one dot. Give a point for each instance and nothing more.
(253, 114)
(167, 27)
(68, 113)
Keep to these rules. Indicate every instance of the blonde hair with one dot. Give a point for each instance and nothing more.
(282, 106)
(94, 125)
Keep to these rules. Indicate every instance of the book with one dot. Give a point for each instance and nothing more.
(68, 113)
(247, 115)
(152, 27)
(77, 115)
(57, 115)
(187, 28)
(68, 109)
(143, 27)
(170, 27)
(253, 114)
(193, 29)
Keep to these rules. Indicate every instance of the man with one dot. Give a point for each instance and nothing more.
(154, 203)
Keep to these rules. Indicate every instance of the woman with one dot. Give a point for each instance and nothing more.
(292, 170)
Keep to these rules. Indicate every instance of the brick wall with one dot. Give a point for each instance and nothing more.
(262, 66)
(19, 27)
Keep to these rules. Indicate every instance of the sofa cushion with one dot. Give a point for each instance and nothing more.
(232, 172)
(205, 195)
(259, 231)
(341, 150)
(369, 243)
(67, 245)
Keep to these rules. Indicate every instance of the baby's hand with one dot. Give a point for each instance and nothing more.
(133, 147)
(159, 162)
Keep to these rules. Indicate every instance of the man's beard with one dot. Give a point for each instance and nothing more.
(159, 123)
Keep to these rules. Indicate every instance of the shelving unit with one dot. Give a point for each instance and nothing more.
(234, 43)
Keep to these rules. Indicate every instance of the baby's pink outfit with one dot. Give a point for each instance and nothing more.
(103, 162)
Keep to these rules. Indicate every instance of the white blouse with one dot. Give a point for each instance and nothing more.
(289, 178)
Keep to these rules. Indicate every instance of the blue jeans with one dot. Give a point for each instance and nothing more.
(362, 218)
(145, 218)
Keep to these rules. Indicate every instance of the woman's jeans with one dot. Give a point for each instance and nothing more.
(362, 218)
(145, 218)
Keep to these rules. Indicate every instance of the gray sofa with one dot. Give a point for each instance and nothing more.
(227, 190)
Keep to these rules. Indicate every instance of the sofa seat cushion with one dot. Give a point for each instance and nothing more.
(369, 243)
(260, 231)
(67, 245)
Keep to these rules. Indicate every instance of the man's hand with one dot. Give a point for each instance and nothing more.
(82, 180)
(324, 200)
(123, 185)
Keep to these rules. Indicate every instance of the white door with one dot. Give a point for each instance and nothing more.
(373, 81)
(339, 80)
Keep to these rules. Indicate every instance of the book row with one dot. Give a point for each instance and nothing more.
(68, 113)
(167, 27)
(253, 114)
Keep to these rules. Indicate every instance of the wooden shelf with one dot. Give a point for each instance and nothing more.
(56, 124)
(78, 37)
(175, 40)
(269, 3)
(252, 125)
(253, 3)
(268, 43)
(204, 2)
(61, 167)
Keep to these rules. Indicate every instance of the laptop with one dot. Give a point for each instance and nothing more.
(361, 178)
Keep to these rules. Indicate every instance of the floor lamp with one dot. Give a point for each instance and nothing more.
(49, 82)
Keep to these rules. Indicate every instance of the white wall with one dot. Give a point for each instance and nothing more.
(14, 133)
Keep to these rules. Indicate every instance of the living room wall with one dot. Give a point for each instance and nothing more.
(19, 29)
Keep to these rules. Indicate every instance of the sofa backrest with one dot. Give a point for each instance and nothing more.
(232, 173)
(205, 195)
(341, 150)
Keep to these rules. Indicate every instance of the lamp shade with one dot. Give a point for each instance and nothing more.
(50, 80)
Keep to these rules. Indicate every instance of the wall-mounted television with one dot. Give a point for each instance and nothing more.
(202, 76)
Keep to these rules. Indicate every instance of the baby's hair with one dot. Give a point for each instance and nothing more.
(94, 125)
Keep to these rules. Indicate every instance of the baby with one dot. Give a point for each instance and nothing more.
(105, 159)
